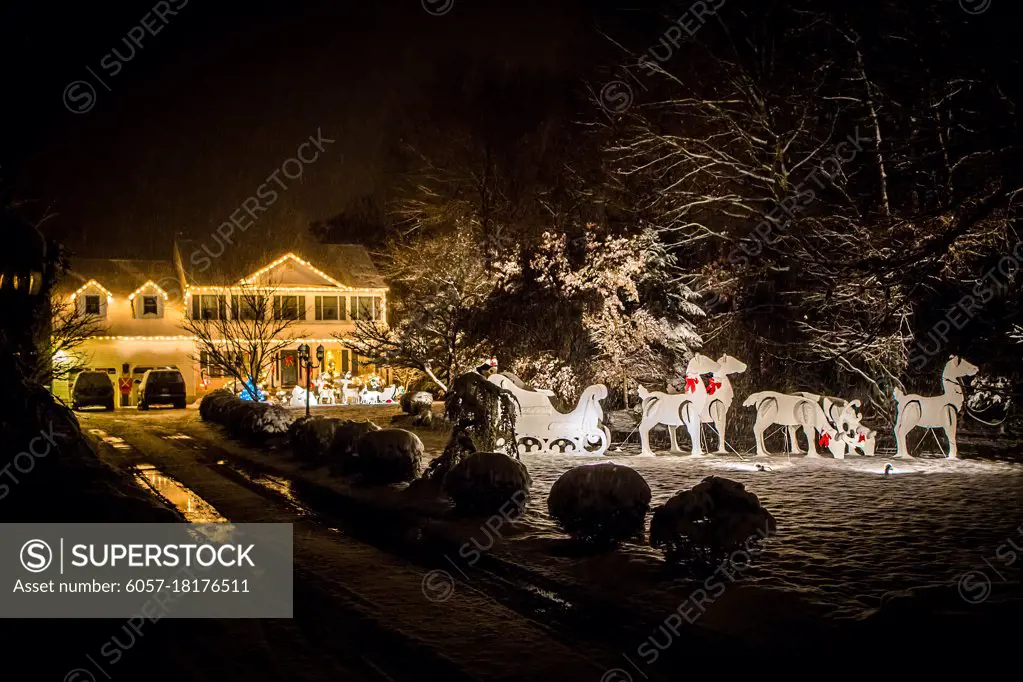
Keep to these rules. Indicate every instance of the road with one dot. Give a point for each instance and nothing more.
(361, 613)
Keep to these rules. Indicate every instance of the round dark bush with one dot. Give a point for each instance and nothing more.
(210, 401)
(716, 517)
(310, 437)
(600, 504)
(486, 483)
(265, 421)
(342, 446)
(386, 456)
(414, 402)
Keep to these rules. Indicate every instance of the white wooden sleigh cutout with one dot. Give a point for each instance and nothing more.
(933, 412)
(542, 429)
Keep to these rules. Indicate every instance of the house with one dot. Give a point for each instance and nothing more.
(144, 307)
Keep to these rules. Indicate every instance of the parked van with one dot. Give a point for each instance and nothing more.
(162, 387)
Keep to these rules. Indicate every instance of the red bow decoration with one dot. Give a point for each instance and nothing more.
(289, 361)
(713, 385)
(861, 438)
(825, 440)
(691, 384)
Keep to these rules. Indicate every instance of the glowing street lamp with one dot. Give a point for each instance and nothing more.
(303, 356)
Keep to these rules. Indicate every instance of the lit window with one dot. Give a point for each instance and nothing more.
(327, 308)
(209, 307)
(367, 308)
(289, 307)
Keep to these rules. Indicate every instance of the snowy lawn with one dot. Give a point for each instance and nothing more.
(847, 533)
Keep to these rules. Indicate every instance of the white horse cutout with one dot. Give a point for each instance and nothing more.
(933, 412)
(677, 409)
(795, 412)
(720, 395)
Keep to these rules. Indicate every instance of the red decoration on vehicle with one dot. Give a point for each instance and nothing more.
(713, 385)
(825, 440)
(861, 438)
(691, 384)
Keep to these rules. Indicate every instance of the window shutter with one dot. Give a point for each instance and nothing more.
(196, 302)
(342, 304)
(318, 303)
(355, 364)
(277, 307)
(344, 361)
(301, 307)
(222, 307)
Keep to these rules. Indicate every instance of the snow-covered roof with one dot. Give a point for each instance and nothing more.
(121, 276)
(347, 264)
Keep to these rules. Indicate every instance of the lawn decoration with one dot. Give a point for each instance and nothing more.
(678, 409)
(298, 397)
(720, 395)
(933, 412)
(795, 412)
(543, 429)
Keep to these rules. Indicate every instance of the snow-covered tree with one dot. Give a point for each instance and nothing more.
(634, 307)
(242, 338)
(439, 284)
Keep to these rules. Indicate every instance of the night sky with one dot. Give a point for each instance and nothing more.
(224, 92)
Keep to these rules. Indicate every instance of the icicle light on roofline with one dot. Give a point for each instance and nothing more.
(285, 342)
(93, 283)
(149, 283)
(234, 290)
(291, 256)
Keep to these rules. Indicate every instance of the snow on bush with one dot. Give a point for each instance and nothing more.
(549, 372)
(387, 456)
(413, 402)
(310, 437)
(703, 525)
(266, 421)
(213, 402)
(990, 393)
(600, 504)
(342, 446)
(484, 483)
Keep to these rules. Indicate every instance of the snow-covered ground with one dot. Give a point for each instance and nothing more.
(847, 533)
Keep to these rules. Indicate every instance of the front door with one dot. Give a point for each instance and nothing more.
(289, 367)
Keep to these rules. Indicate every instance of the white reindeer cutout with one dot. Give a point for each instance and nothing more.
(843, 418)
(933, 412)
(864, 440)
(795, 412)
(720, 395)
(674, 410)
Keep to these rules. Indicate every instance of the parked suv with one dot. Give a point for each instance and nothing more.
(92, 388)
(162, 387)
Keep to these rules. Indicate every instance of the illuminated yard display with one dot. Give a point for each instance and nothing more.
(796, 412)
(145, 308)
(933, 412)
(687, 408)
(720, 395)
(541, 428)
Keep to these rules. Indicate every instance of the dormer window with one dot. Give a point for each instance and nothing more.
(92, 305)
